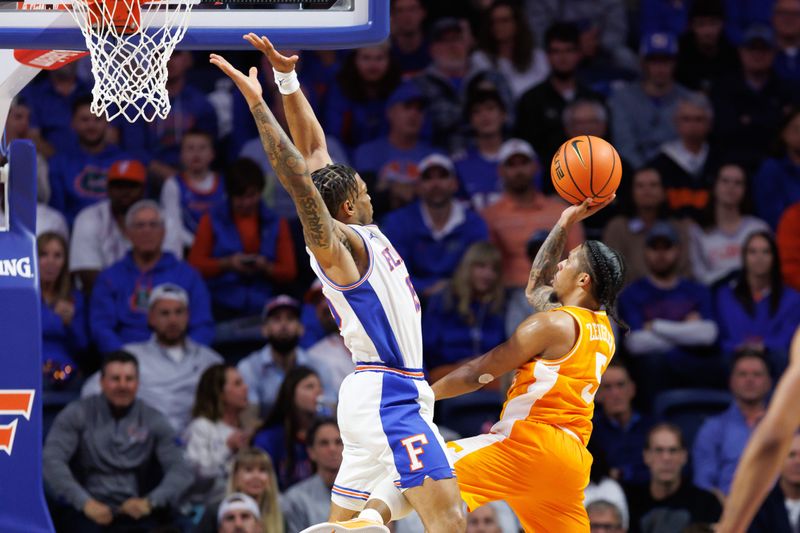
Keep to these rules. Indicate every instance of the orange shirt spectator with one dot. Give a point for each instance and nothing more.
(788, 238)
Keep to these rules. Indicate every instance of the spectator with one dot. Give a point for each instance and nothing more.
(788, 238)
(159, 141)
(264, 370)
(239, 513)
(477, 166)
(716, 243)
(643, 113)
(329, 351)
(627, 233)
(705, 55)
(466, 319)
(450, 79)
(217, 430)
(776, 185)
(506, 44)
(603, 487)
(483, 520)
(78, 176)
(778, 514)
(539, 111)
(619, 429)
(590, 117)
(398, 153)
(111, 491)
(604, 24)
(750, 104)
(721, 439)
(252, 474)
(283, 435)
(121, 295)
(170, 363)
(409, 45)
(786, 21)
(432, 234)
(741, 14)
(99, 236)
(757, 310)
(51, 102)
(605, 516)
(355, 110)
(521, 212)
(308, 502)
(193, 192)
(687, 164)
(669, 502)
(241, 247)
(65, 336)
(672, 328)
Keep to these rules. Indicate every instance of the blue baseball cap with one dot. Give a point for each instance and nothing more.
(659, 44)
(662, 231)
(406, 92)
(758, 34)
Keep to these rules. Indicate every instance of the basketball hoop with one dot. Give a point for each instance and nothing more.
(130, 42)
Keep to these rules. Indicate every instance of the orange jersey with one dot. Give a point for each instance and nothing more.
(560, 392)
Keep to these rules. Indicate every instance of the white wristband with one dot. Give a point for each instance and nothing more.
(287, 82)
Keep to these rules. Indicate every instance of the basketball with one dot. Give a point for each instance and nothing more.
(585, 167)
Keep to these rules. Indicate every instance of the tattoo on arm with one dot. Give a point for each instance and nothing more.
(540, 294)
(292, 171)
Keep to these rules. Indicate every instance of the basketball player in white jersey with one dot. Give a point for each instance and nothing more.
(385, 407)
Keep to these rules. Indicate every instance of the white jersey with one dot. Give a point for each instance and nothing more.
(379, 315)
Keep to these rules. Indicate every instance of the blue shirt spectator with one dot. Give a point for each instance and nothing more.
(776, 185)
(722, 438)
(618, 429)
(757, 309)
(78, 176)
(122, 291)
(431, 235)
(409, 44)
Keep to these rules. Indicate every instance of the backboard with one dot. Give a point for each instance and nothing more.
(216, 24)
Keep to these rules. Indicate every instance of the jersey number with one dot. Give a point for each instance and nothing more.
(413, 293)
(590, 390)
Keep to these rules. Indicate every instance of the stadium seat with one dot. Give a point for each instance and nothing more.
(467, 415)
(688, 408)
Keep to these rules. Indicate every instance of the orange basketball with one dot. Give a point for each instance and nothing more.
(585, 167)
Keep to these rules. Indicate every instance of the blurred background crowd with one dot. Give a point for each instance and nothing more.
(188, 353)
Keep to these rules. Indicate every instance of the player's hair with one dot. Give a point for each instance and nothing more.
(271, 515)
(460, 296)
(63, 283)
(665, 426)
(563, 32)
(523, 45)
(336, 184)
(319, 422)
(119, 356)
(243, 175)
(208, 395)
(741, 288)
(607, 270)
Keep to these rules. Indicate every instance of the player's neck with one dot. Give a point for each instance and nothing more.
(661, 490)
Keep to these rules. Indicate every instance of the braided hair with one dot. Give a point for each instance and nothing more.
(607, 269)
(336, 184)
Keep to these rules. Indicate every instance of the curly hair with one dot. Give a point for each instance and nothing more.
(607, 270)
(336, 184)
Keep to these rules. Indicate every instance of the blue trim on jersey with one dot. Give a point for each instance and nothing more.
(362, 279)
(401, 419)
(368, 309)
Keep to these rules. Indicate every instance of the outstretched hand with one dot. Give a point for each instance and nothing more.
(279, 62)
(249, 86)
(576, 213)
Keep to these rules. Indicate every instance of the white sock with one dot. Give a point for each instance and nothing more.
(371, 514)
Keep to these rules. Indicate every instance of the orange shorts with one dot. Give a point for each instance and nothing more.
(540, 471)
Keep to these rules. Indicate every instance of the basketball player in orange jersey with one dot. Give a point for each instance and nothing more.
(535, 457)
(767, 450)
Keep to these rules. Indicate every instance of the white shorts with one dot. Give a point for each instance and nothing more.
(386, 421)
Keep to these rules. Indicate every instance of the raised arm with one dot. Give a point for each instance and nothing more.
(545, 264)
(766, 451)
(304, 126)
(323, 235)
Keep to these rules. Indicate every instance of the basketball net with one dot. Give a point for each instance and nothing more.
(130, 43)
